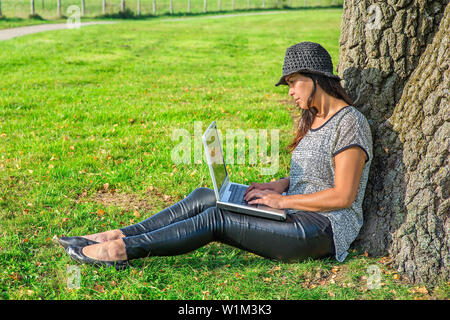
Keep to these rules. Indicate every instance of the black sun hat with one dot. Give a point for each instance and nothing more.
(307, 57)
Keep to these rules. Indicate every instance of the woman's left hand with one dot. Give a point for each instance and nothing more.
(267, 197)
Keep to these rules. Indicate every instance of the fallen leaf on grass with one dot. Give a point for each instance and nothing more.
(322, 282)
(418, 289)
(167, 288)
(275, 268)
(385, 260)
(223, 283)
(205, 294)
(335, 269)
(15, 276)
(99, 288)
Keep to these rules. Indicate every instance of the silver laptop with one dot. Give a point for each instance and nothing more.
(230, 195)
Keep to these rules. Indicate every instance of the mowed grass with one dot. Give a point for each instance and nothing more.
(86, 123)
(15, 12)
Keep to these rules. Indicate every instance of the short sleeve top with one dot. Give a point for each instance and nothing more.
(313, 169)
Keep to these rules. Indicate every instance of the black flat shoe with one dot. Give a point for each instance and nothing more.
(75, 242)
(76, 253)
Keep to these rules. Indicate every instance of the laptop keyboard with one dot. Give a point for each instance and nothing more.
(237, 194)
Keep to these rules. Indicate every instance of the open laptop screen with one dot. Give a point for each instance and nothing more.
(214, 149)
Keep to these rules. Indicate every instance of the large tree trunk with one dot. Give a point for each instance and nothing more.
(395, 68)
(421, 118)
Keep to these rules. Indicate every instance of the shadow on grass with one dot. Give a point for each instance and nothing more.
(129, 14)
(17, 19)
(217, 256)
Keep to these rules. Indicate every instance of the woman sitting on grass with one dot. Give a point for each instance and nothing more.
(331, 157)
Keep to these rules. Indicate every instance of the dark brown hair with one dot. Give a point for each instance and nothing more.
(330, 86)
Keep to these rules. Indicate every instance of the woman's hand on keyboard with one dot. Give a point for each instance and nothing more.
(258, 186)
(278, 186)
(267, 197)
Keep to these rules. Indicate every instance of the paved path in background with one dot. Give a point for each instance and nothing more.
(7, 34)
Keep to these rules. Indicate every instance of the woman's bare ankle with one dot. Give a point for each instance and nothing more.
(105, 236)
(119, 234)
(109, 251)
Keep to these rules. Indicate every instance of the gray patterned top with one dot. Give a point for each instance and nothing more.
(312, 169)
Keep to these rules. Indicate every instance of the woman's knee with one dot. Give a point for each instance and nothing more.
(206, 196)
(213, 218)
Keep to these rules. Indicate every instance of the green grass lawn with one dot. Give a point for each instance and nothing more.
(86, 118)
(16, 12)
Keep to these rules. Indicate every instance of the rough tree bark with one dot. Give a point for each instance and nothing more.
(394, 62)
(422, 242)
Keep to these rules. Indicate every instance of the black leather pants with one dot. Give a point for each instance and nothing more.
(195, 221)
